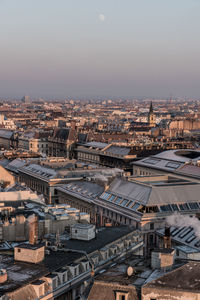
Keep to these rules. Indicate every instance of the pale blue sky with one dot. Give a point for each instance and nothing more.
(60, 48)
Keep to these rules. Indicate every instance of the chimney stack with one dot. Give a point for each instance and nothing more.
(167, 238)
(33, 229)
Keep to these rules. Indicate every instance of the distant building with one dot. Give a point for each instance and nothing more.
(26, 99)
(62, 143)
(8, 139)
(54, 172)
(151, 116)
(182, 163)
(108, 155)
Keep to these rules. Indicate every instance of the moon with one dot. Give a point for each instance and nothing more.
(102, 17)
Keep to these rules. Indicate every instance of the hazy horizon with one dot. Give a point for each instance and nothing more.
(99, 48)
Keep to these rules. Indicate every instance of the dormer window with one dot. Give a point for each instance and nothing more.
(121, 295)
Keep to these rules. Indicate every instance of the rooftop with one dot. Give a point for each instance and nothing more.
(104, 236)
(141, 272)
(31, 247)
(186, 278)
(170, 160)
(184, 236)
(167, 195)
(20, 273)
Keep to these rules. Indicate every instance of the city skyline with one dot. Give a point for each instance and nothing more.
(92, 48)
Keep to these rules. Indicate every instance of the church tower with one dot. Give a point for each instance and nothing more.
(151, 116)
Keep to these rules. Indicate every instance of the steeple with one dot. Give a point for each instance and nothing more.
(151, 108)
(151, 116)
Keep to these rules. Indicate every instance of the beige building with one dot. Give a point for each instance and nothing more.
(6, 179)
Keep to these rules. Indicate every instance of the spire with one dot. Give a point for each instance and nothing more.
(151, 108)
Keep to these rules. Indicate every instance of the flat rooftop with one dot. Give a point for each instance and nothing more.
(161, 180)
(21, 273)
(104, 236)
(30, 246)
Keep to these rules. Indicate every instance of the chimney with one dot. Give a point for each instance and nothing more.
(3, 276)
(167, 238)
(33, 229)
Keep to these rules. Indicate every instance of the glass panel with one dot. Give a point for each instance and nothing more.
(135, 206)
(112, 198)
(172, 165)
(105, 196)
(184, 206)
(151, 161)
(119, 199)
(193, 205)
(175, 207)
(124, 202)
(165, 208)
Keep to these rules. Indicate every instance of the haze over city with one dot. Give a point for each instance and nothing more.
(99, 150)
(99, 48)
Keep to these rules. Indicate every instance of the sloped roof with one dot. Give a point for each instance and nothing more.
(186, 278)
(131, 190)
(6, 133)
(16, 164)
(189, 169)
(61, 133)
(117, 150)
(104, 291)
(174, 194)
(150, 194)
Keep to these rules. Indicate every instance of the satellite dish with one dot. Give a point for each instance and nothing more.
(130, 271)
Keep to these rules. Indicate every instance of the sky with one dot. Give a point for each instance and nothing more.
(95, 48)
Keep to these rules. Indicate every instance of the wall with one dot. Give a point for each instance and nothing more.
(29, 255)
(149, 293)
(6, 177)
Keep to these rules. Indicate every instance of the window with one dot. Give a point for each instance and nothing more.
(177, 252)
(64, 277)
(121, 295)
(173, 165)
(151, 239)
(112, 197)
(18, 250)
(151, 161)
(76, 231)
(54, 284)
(184, 206)
(119, 199)
(151, 226)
